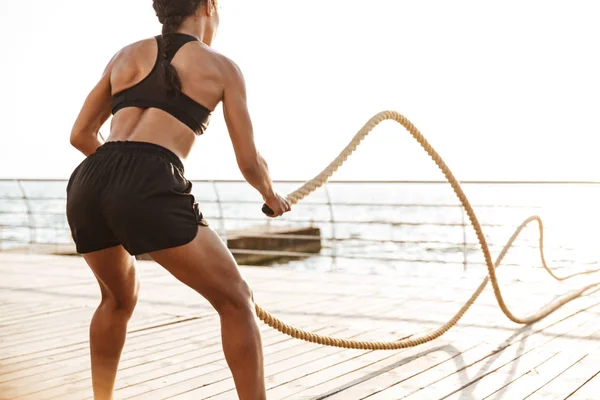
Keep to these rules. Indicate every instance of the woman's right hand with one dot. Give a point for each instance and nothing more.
(278, 204)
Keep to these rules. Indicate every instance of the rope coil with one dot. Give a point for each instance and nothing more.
(318, 181)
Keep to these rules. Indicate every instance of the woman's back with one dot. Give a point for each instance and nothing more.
(203, 74)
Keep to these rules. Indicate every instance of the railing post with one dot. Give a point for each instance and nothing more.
(32, 229)
(222, 230)
(332, 221)
(56, 239)
(464, 228)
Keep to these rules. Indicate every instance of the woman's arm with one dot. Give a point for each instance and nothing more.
(94, 113)
(252, 165)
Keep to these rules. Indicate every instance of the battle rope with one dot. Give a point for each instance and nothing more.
(416, 340)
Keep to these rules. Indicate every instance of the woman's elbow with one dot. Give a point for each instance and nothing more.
(75, 140)
(81, 141)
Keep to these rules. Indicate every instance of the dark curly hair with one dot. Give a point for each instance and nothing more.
(171, 14)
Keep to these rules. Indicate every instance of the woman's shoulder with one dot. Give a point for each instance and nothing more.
(208, 56)
(226, 63)
(128, 59)
(138, 48)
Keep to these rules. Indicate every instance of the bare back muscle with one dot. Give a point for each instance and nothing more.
(203, 74)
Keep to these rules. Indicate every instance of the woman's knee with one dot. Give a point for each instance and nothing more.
(121, 305)
(239, 298)
(123, 301)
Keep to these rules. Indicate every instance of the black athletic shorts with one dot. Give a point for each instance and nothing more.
(132, 194)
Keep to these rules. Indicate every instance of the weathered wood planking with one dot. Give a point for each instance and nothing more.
(174, 351)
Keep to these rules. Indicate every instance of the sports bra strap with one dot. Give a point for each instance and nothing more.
(177, 42)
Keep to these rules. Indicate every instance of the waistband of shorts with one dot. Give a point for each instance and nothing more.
(142, 148)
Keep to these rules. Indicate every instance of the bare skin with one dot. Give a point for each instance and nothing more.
(116, 274)
(205, 264)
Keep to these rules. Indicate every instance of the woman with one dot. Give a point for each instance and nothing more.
(130, 196)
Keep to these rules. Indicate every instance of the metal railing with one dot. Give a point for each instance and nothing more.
(360, 221)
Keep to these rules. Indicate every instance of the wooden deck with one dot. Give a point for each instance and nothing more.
(173, 349)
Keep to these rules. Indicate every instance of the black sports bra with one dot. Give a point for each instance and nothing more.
(149, 93)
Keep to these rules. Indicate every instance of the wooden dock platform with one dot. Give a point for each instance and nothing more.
(260, 245)
(173, 349)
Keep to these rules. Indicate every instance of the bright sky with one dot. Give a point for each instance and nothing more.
(503, 90)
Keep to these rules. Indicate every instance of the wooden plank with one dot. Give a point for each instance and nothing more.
(361, 372)
(286, 338)
(142, 372)
(32, 331)
(350, 371)
(144, 376)
(222, 377)
(474, 372)
(137, 329)
(221, 384)
(26, 311)
(394, 383)
(174, 360)
(33, 356)
(537, 377)
(54, 378)
(400, 388)
(505, 376)
(39, 365)
(399, 374)
(590, 389)
(43, 327)
(165, 357)
(353, 372)
(570, 379)
(179, 364)
(321, 360)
